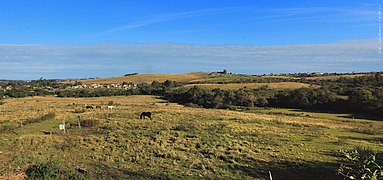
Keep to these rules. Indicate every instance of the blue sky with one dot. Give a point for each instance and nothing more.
(29, 27)
(252, 22)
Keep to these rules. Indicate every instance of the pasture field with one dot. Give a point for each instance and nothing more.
(148, 78)
(236, 86)
(315, 114)
(179, 142)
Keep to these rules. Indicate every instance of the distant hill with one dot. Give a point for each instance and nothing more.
(148, 78)
(214, 78)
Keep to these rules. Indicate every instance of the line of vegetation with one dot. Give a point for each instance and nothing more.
(48, 116)
(362, 94)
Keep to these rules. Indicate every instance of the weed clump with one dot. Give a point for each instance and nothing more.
(361, 165)
(90, 123)
(79, 111)
(184, 126)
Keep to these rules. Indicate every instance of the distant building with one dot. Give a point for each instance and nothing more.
(317, 73)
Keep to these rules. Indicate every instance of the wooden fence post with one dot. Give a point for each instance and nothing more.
(64, 128)
(79, 121)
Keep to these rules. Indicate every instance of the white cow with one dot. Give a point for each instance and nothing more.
(111, 108)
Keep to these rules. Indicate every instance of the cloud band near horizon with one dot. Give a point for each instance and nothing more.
(115, 59)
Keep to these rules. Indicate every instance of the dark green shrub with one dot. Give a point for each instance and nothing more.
(46, 170)
(52, 170)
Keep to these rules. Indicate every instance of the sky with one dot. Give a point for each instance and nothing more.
(105, 38)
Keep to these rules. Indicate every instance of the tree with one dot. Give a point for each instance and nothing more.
(155, 84)
(168, 83)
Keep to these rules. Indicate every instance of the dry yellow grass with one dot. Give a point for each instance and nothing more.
(180, 142)
(235, 86)
(30, 107)
(148, 78)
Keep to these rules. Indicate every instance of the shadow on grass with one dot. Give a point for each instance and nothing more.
(356, 116)
(109, 172)
(368, 139)
(290, 170)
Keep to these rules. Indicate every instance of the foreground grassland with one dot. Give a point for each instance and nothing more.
(236, 86)
(179, 141)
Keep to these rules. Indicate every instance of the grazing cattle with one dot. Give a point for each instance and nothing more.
(98, 107)
(147, 114)
(111, 108)
(307, 115)
(89, 107)
(82, 170)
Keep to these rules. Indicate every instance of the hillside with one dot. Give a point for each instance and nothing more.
(211, 78)
(148, 78)
(235, 86)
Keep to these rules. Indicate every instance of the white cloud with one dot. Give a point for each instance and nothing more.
(104, 60)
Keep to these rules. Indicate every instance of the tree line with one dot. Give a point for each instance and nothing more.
(362, 94)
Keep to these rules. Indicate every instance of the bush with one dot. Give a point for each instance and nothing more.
(51, 170)
(5, 127)
(46, 170)
(361, 165)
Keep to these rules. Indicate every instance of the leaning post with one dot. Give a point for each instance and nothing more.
(79, 121)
